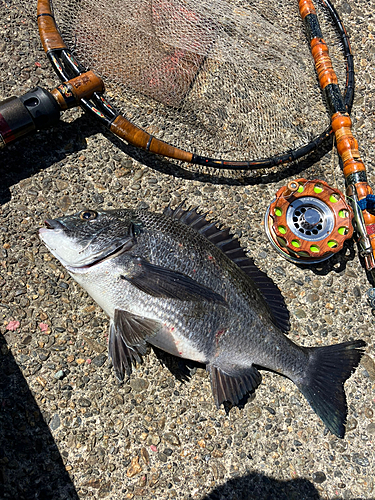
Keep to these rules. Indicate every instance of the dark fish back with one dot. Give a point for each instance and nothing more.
(207, 244)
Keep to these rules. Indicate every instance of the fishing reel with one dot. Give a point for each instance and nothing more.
(309, 221)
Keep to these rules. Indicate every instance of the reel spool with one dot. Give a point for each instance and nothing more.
(308, 221)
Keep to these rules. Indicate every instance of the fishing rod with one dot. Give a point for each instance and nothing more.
(309, 221)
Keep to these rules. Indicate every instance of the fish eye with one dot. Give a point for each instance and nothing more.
(88, 215)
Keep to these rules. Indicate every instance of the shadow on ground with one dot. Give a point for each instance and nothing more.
(37, 152)
(219, 176)
(256, 486)
(31, 467)
(26, 157)
(336, 263)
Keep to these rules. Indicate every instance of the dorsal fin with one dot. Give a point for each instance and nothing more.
(228, 244)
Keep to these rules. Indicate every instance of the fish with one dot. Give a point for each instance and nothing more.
(183, 283)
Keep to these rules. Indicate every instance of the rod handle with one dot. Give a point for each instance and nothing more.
(20, 116)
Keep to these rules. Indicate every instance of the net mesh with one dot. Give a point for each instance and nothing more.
(225, 79)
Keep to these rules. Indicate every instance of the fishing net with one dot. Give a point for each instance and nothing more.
(225, 79)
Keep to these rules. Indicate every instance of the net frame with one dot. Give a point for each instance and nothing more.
(68, 67)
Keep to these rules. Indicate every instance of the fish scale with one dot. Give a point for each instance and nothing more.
(201, 260)
(178, 282)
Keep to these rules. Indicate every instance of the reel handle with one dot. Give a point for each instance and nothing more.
(291, 188)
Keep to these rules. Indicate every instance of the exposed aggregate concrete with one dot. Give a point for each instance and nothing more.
(67, 429)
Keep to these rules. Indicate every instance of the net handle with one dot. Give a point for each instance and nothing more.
(67, 67)
(353, 167)
(54, 46)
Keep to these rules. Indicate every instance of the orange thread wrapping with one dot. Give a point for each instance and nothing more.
(306, 7)
(49, 35)
(86, 84)
(131, 133)
(347, 148)
(363, 189)
(339, 121)
(346, 144)
(350, 158)
(162, 148)
(138, 137)
(343, 131)
(80, 87)
(323, 63)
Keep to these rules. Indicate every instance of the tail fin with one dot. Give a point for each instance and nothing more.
(323, 386)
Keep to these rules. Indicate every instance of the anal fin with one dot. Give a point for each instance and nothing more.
(233, 387)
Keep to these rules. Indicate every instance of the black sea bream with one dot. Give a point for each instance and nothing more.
(176, 281)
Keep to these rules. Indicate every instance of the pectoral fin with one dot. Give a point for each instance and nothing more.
(165, 283)
(128, 340)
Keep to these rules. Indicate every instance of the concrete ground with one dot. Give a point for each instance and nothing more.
(67, 429)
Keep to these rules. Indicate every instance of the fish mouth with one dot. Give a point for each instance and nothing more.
(51, 224)
(82, 269)
(54, 226)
